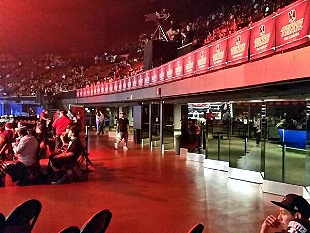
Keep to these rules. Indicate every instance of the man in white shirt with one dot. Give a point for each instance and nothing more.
(25, 155)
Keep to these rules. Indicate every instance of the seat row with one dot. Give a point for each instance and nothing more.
(23, 218)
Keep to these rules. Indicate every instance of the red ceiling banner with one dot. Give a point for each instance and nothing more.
(111, 87)
(154, 76)
(116, 85)
(135, 82)
(202, 60)
(189, 64)
(140, 80)
(147, 78)
(78, 93)
(120, 85)
(169, 71)
(101, 88)
(162, 74)
(292, 25)
(106, 88)
(129, 83)
(124, 84)
(238, 47)
(218, 54)
(263, 39)
(92, 88)
(178, 68)
(97, 91)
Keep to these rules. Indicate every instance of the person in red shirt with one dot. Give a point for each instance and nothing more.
(60, 125)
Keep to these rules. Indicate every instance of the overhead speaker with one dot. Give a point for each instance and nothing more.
(158, 52)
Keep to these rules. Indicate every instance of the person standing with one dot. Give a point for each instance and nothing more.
(258, 128)
(60, 125)
(122, 128)
(99, 122)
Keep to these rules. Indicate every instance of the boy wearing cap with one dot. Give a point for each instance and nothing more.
(293, 217)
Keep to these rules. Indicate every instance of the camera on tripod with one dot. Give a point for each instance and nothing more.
(157, 17)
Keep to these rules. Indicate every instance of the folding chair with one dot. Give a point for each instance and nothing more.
(85, 157)
(98, 223)
(6, 152)
(197, 228)
(2, 222)
(2, 173)
(72, 229)
(23, 217)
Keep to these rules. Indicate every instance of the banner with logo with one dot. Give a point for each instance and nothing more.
(123, 84)
(106, 88)
(97, 89)
(218, 54)
(189, 64)
(178, 68)
(111, 87)
(154, 76)
(134, 83)
(92, 90)
(162, 74)
(78, 93)
(202, 59)
(262, 38)
(120, 85)
(238, 47)
(169, 71)
(140, 80)
(87, 91)
(117, 86)
(292, 25)
(147, 78)
(129, 83)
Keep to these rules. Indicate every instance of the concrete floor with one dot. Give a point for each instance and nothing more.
(146, 192)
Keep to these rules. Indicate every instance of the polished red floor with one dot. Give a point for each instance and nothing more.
(146, 192)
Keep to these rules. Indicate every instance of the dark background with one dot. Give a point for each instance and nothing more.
(37, 27)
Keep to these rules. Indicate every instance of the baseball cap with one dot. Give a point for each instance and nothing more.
(295, 203)
(298, 226)
(9, 125)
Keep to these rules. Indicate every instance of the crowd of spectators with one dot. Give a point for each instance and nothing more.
(126, 59)
(29, 78)
(228, 18)
(27, 140)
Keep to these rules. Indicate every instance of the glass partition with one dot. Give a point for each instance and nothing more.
(168, 127)
(286, 145)
(246, 133)
(145, 122)
(272, 137)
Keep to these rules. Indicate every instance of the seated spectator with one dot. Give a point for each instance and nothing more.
(60, 125)
(7, 137)
(188, 35)
(58, 161)
(294, 215)
(25, 156)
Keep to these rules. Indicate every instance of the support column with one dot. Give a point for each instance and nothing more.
(161, 133)
(177, 119)
(137, 123)
(150, 125)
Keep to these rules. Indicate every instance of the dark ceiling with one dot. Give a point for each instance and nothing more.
(36, 27)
